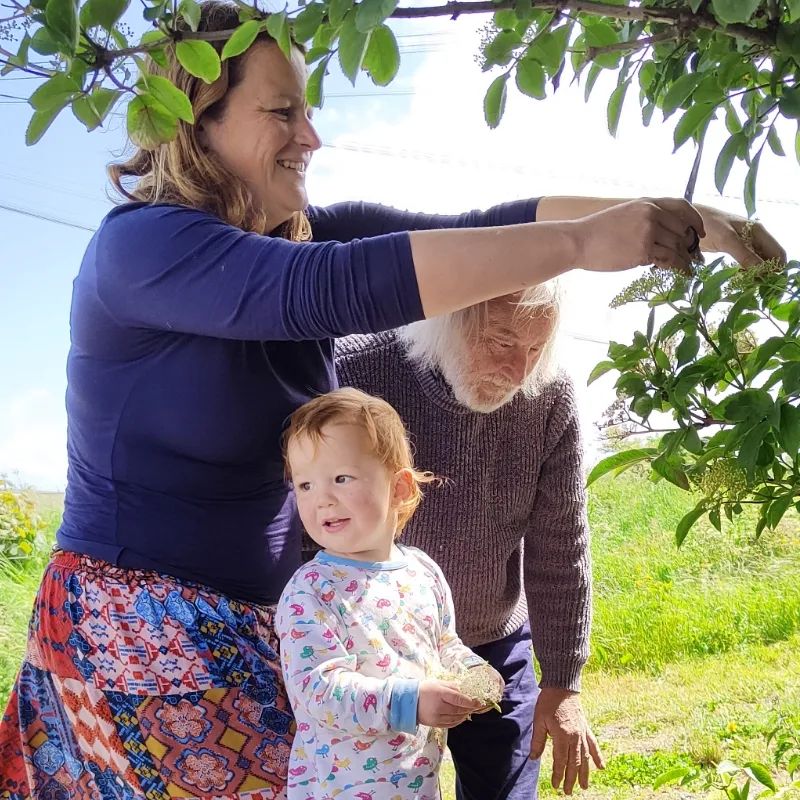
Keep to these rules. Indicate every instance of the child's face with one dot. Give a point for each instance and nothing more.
(345, 496)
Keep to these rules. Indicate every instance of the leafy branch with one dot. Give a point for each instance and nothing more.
(705, 370)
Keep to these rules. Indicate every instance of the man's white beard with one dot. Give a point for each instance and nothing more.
(467, 390)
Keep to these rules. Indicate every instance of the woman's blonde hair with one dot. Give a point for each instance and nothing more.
(385, 431)
(182, 171)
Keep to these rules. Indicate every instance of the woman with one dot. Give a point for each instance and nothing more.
(202, 317)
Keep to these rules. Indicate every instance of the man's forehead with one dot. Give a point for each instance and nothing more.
(509, 313)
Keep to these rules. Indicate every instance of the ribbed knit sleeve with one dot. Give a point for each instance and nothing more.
(557, 566)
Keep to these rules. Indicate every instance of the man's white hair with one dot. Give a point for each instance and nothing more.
(433, 343)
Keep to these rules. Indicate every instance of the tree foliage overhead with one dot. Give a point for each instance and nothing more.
(736, 62)
(725, 367)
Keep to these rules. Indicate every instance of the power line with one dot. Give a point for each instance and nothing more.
(27, 212)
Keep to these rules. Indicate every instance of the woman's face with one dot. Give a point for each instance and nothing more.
(265, 136)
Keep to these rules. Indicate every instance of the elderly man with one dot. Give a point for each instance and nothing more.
(487, 410)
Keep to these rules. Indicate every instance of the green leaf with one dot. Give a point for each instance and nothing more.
(103, 12)
(692, 121)
(751, 444)
(191, 12)
(760, 772)
(599, 370)
(631, 384)
(199, 59)
(54, 93)
(747, 404)
(714, 519)
(685, 525)
(691, 441)
(794, 10)
(651, 322)
(314, 93)
(372, 13)
(530, 78)
(662, 360)
(92, 110)
(615, 106)
(307, 21)
(500, 49)
(789, 432)
(316, 53)
(642, 406)
(62, 19)
(728, 11)
(549, 49)
(241, 39)
(688, 349)
(278, 29)
(618, 460)
(382, 60)
(40, 122)
(494, 103)
(44, 43)
(591, 80)
(667, 470)
(172, 98)
(775, 142)
(680, 92)
(732, 122)
(506, 20)
(670, 776)
(601, 34)
(338, 10)
(786, 312)
(712, 287)
(149, 123)
(647, 75)
(725, 162)
(777, 509)
(789, 104)
(750, 186)
(352, 47)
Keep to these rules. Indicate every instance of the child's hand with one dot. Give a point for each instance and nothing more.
(441, 705)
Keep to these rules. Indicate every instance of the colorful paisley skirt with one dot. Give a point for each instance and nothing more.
(138, 685)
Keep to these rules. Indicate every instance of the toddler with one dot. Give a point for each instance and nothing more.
(367, 625)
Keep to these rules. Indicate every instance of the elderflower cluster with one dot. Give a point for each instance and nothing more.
(724, 479)
(478, 683)
(747, 276)
(655, 281)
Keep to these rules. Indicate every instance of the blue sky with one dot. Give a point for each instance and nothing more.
(421, 144)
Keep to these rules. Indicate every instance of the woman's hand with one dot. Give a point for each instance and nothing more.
(640, 232)
(724, 235)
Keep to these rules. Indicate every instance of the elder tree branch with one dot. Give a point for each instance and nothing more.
(633, 45)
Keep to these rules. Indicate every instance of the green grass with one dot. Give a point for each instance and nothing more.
(694, 651)
(655, 605)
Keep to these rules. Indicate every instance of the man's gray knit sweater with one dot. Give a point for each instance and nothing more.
(513, 504)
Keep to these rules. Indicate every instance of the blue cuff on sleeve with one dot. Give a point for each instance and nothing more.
(473, 661)
(403, 711)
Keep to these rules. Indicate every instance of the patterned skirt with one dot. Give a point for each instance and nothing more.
(137, 685)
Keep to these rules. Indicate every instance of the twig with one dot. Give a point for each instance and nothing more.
(633, 45)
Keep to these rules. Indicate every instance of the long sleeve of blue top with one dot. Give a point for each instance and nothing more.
(191, 343)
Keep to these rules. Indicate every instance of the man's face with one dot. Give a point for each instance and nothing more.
(499, 354)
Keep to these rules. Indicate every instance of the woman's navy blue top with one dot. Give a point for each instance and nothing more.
(192, 341)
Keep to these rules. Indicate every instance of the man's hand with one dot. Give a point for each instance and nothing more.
(559, 714)
(441, 705)
(724, 235)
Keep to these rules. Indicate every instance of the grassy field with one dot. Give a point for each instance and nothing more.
(694, 651)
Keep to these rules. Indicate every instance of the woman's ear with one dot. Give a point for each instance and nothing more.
(403, 489)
